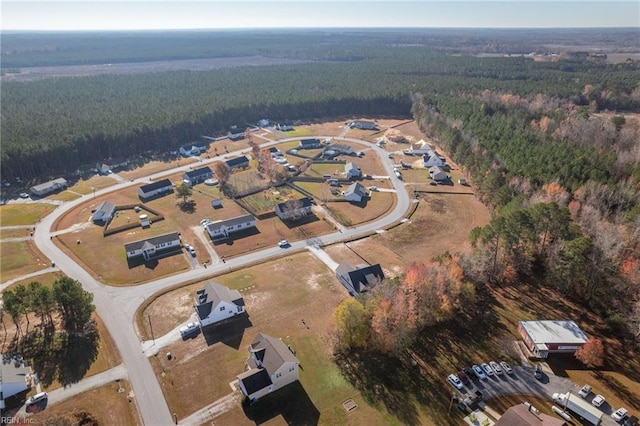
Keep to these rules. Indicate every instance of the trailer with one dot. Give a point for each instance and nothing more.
(581, 408)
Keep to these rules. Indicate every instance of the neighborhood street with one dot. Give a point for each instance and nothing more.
(117, 305)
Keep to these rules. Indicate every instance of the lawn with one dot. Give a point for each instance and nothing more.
(351, 214)
(266, 201)
(44, 279)
(155, 167)
(301, 131)
(278, 296)
(66, 195)
(92, 184)
(19, 258)
(23, 214)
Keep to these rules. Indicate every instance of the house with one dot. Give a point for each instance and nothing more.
(420, 148)
(309, 143)
(264, 123)
(284, 127)
(293, 209)
(352, 171)
(355, 192)
(221, 229)
(49, 187)
(15, 377)
(342, 149)
(274, 152)
(215, 303)
(438, 174)
(432, 160)
(237, 163)
(155, 189)
(271, 366)
(104, 212)
(196, 176)
(154, 246)
(363, 125)
(237, 133)
(527, 415)
(108, 166)
(359, 279)
(553, 336)
(192, 150)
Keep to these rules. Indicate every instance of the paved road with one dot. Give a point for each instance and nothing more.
(26, 276)
(117, 306)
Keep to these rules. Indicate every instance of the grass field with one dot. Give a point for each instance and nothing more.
(266, 201)
(66, 195)
(350, 214)
(155, 167)
(23, 214)
(44, 279)
(87, 186)
(19, 258)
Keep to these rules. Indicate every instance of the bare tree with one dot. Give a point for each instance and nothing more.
(293, 209)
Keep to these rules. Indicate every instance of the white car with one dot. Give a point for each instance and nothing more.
(192, 250)
(189, 329)
(585, 391)
(455, 381)
(36, 398)
(598, 401)
(24, 195)
(496, 367)
(479, 372)
(506, 367)
(373, 188)
(619, 414)
(487, 370)
(284, 243)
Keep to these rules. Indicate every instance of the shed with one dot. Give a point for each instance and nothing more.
(216, 203)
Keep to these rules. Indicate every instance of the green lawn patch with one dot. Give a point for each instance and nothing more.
(23, 214)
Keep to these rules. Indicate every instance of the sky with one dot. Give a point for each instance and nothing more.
(224, 14)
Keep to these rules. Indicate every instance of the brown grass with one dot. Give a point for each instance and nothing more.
(350, 214)
(19, 258)
(155, 167)
(23, 214)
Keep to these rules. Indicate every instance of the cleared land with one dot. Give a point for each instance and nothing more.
(19, 258)
(23, 214)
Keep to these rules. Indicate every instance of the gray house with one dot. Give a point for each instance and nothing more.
(438, 174)
(355, 192)
(359, 279)
(196, 176)
(49, 187)
(352, 171)
(310, 143)
(104, 212)
(237, 163)
(363, 125)
(155, 189)
(154, 246)
(215, 303)
(221, 229)
(293, 210)
(15, 377)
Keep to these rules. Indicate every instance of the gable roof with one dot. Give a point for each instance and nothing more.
(150, 187)
(349, 167)
(230, 222)
(152, 242)
(520, 415)
(305, 203)
(361, 277)
(356, 188)
(236, 161)
(271, 352)
(199, 172)
(312, 141)
(212, 294)
(255, 379)
(105, 208)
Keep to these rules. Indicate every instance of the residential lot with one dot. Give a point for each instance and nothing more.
(23, 214)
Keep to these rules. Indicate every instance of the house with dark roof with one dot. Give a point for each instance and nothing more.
(215, 303)
(221, 229)
(237, 163)
(355, 192)
(155, 189)
(154, 246)
(49, 187)
(352, 171)
(363, 125)
(342, 149)
(15, 377)
(309, 143)
(196, 176)
(104, 212)
(274, 152)
(359, 279)
(431, 159)
(271, 366)
(293, 209)
(236, 133)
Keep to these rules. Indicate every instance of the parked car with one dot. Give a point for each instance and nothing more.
(598, 401)
(487, 369)
(506, 367)
(464, 378)
(537, 373)
(631, 421)
(496, 368)
(470, 373)
(585, 391)
(189, 329)
(24, 195)
(192, 250)
(455, 381)
(479, 372)
(284, 243)
(619, 414)
(36, 398)
(373, 188)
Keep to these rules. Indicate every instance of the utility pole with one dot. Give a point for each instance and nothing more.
(151, 328)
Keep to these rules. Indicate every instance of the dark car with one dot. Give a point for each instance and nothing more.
(464, 378)
(537, 373)
(470, 373)
(631, 421)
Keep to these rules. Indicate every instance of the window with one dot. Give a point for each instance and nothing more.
(222, 308)
(278, 375)
(292, 368)
(239, 308)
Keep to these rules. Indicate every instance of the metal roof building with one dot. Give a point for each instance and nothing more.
(552, 336)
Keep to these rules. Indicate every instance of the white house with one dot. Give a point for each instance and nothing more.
(155, 189)
(49, 187)
(355, 192)
(15, 377)
(431, 160)
(104, 212)
(420, 148)
(107, 166)
(359, 279)
(196, 176)
(153, 246)
(215, 303)
(352, 171)
(191, 150)
(221, 229)
(271, 366)
(296, 209)
(236, 133)
(438, 174)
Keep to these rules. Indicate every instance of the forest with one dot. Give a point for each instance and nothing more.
(552, 146)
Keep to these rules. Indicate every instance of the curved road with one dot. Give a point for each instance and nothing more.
(117, 305)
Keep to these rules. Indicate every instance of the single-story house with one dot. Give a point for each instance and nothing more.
(191, 150)
(107, 166)
(526, 414)
(196, 176)
(15, 377)
(552, 336)
(355, 192)
(284, 127)
(49, 187)
(309, 143)
(153, 246)
(236, 133)
(264, 122)
(271, 366)
(215, 302)
(352, 171)
(431, 160)
(104, 212)
(363, 125)
(293, 209)
(342, 149)
(221, 229)
(437, 173)
(275, 152)
(237, 163)
(359, 279)
(155, 189)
